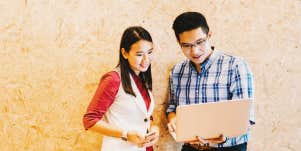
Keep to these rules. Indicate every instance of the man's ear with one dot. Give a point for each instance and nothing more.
(209, 34)
(124, 53)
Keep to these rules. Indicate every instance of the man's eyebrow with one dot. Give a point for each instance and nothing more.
(194, 41)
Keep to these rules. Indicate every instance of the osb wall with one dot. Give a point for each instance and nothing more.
(53, 53)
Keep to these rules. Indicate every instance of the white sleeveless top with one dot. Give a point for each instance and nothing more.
(128, 113)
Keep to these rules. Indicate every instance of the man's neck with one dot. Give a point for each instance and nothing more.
(199, 66)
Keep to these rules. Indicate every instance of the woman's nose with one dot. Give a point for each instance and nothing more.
(145, 57)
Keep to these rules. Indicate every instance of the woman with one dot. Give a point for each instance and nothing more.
(122, 106)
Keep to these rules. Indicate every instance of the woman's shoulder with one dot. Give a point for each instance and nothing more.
(112, 73)
(111, 77)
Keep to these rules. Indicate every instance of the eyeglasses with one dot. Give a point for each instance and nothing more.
(199, 43)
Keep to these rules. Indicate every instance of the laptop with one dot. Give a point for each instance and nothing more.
(210, 120)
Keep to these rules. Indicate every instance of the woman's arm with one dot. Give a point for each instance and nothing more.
(104, 97)
(106, 129)
(112, 131)
(102, 100)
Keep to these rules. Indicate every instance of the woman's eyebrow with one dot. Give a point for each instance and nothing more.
(145, 51)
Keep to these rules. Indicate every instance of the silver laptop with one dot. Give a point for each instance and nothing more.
(209, 120)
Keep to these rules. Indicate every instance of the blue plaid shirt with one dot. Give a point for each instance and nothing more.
(222, 77)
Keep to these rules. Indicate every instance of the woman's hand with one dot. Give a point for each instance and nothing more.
(152, 137)
(135, 138)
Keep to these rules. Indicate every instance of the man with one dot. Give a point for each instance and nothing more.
(207, 75)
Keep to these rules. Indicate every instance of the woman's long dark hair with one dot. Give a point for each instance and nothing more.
(130, 36)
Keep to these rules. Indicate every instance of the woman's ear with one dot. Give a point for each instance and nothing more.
(124, 53)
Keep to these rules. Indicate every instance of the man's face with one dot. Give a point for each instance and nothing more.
(195, 45)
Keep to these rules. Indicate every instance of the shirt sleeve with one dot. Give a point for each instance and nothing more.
(171, 107)
(102, 100)
(242, 85)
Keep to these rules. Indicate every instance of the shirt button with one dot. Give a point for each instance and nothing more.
(145, 120)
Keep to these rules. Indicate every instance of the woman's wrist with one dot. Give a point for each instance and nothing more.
(124, 135)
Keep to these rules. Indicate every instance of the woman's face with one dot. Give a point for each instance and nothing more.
(139, 56)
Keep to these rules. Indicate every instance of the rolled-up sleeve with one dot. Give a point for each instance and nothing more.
(171, 107)
(102, 100)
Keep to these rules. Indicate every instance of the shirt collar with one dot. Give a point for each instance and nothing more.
(207, 63)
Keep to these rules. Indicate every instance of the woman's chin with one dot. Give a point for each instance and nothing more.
(143, 69)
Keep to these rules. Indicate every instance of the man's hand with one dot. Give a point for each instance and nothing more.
(218, 140)
(200, 140)
(171, 122)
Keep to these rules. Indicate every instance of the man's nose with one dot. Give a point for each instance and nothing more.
(194, 48)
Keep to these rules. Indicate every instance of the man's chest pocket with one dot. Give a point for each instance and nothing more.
(221, 78)
(218, 86)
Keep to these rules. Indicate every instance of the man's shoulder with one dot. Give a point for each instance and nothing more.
(226, 57)
(235, 62)
(180, 65)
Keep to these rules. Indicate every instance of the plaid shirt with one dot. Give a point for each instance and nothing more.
(222, 77)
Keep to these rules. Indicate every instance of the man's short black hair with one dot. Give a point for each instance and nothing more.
(188, 21)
